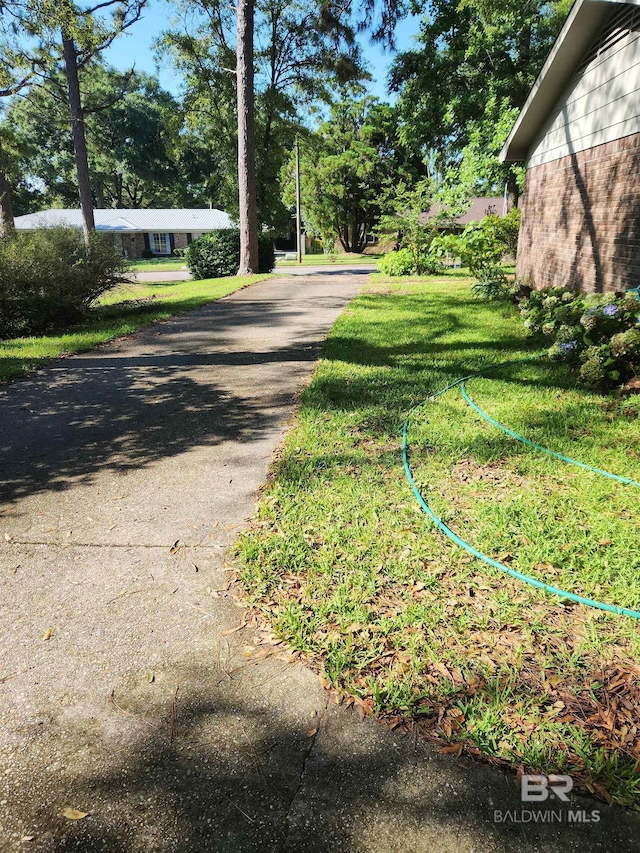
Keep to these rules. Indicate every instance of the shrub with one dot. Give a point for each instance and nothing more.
(405, 262)
(179, 253)
(49, 278)
(506, 229)
(599, 332)
(266, 253)
(479, 247)
(429, 264)
(214, 255)
(400, 262)
(491, 284)
(217, 254)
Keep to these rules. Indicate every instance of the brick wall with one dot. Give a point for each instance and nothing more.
(134, 243)
(181, 241)
(581, 219)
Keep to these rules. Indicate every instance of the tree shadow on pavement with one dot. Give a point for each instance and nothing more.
(190, 382)
(229, 773)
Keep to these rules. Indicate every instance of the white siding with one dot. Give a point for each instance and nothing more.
(601, 104)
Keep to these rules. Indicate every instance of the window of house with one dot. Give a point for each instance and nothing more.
(160, 244)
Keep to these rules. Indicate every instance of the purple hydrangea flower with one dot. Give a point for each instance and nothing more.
(611, 310)
(568, 347)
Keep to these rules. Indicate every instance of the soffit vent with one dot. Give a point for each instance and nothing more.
(622, 22)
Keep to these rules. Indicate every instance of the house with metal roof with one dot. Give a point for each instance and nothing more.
(139, 233)
(579, 136)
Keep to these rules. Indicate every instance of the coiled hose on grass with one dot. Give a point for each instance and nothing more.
(579, 599)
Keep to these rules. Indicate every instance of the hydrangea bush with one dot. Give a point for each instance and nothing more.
(599, 333)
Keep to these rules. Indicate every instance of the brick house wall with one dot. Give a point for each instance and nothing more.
(135, 243)
(180, 241)
(581, 219)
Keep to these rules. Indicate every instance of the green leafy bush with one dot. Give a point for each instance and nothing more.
(481, 247)
(179, 253)
(214, 255)
(506, 229)
(217, 254)
(405, 262)
(598, 332)
(49, 278)
(491, 284)
(400, 262)
(266, 253)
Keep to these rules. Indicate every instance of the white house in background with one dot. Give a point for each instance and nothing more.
(139, 233)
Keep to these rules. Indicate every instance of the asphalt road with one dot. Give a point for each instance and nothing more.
(128, 689)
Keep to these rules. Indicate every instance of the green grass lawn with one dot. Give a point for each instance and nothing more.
(351, 574)
(119, 312)
(158, 265)
(339, 258)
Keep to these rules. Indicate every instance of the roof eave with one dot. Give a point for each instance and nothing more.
(576, 36)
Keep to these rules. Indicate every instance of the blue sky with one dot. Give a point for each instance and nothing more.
(136, 48)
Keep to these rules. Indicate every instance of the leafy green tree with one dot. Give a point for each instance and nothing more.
(48, 38)
(348, 166)
(331, 25)
(14, 77)
(461, 88)
(138, 154)
(9, 158)
(297, 63)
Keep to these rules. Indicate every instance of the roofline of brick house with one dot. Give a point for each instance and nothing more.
(576, 36)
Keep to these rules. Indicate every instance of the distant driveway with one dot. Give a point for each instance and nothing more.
(328, 269)
(305, 270)
(175, 275)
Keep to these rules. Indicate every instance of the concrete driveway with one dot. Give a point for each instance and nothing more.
(175, 275)
(328, 269)
(133, 687)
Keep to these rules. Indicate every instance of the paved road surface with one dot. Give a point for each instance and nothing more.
(109, 460)
(175, 275)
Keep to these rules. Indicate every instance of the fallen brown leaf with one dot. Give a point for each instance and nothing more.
(451, 749)
(73, 814)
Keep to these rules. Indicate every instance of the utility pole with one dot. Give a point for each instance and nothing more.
(298, 219)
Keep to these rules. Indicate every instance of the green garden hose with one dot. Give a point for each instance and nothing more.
(625, 480)
(579, 599)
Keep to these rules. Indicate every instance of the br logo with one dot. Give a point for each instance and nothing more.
(537, 789)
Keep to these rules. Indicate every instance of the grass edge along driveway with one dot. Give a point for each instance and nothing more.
(121, 311)
(403, 623)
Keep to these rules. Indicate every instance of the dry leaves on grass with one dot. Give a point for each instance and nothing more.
(599, 697)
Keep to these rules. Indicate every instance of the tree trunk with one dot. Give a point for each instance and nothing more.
(7, 223)
(77, 131)
(100, 203)
(246, 141)
(513, 190)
